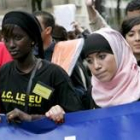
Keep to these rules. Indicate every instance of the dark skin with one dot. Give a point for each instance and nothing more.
(20, 47)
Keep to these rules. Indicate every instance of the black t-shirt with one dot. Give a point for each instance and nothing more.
(13, 86)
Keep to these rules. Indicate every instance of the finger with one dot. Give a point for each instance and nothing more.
(58, 113)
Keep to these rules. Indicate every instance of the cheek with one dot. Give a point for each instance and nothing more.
(130, 41)
(43, 35)
(112, 68)
(90, 66)
(27, 46)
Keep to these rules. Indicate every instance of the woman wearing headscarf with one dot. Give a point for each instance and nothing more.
(31, 87)
(115, 73)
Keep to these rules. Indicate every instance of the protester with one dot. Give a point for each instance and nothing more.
(59, 33)
(31, 87)
(95, 18)
(133, 9)
(97, 21)
(78, 31)
(116, 77)
(130, 30)
(5, 57)
(36, 5)
(47, 23)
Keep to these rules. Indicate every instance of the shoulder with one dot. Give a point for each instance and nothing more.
(53, 69)
(6, 70)
(52, 66)
(7, 66)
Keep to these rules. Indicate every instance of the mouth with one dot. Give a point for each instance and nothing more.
(100, 75)
(13, 53)
(137, 45)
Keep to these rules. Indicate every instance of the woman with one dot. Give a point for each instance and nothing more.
(31, 87)
(116, 76)
(130, 30)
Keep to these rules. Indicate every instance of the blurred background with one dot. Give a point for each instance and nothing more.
(112, 10)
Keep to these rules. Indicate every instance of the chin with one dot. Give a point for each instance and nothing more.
(104, 80)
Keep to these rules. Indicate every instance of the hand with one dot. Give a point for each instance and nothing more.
(77, 27)
(56, 113)
(17, 116)
(90, 2)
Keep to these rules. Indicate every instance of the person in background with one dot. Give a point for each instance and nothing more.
(32, 87)
(97, 21)
(59, 33)
(79, 31)
(47, 23)
(133, 9)
(5, 56)
(115, 73)
(130, 29)
(95, 18)
(36, 5)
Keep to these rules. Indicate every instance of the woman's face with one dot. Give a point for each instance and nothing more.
(18, 42)
(133, 39)
(102, 65)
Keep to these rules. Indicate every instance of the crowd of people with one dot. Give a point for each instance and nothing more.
(105, 74)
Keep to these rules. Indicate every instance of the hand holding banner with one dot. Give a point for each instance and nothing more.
(114, 123)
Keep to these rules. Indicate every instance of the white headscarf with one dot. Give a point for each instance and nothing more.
(125, 86)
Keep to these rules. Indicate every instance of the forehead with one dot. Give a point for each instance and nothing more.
(135, 27)
(10, 29)
(134, 13)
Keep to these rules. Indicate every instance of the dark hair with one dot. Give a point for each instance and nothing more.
(59, 33)
(71, 35)
(128, 24)
(30, 25)
(48, 19)
(132, 6)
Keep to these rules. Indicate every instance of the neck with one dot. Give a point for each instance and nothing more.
(137, 57)
(47, 43)
(26, 65)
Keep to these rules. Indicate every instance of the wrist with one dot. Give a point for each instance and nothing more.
(36, 116)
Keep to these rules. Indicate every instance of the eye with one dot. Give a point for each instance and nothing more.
(130, 34)
(102, 56)
(18, 37)
(89, 61)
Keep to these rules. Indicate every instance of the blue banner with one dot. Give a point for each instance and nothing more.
(114, 123)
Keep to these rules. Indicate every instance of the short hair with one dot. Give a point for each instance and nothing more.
(132, 6)
(128, 24)
(59, 33)
(48, 19)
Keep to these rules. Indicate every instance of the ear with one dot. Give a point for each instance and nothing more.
(48, 30)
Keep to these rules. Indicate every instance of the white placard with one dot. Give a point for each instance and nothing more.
(65, 15)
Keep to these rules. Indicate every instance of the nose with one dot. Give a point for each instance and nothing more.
(97, 65)
(138, 37)
(11, 43)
